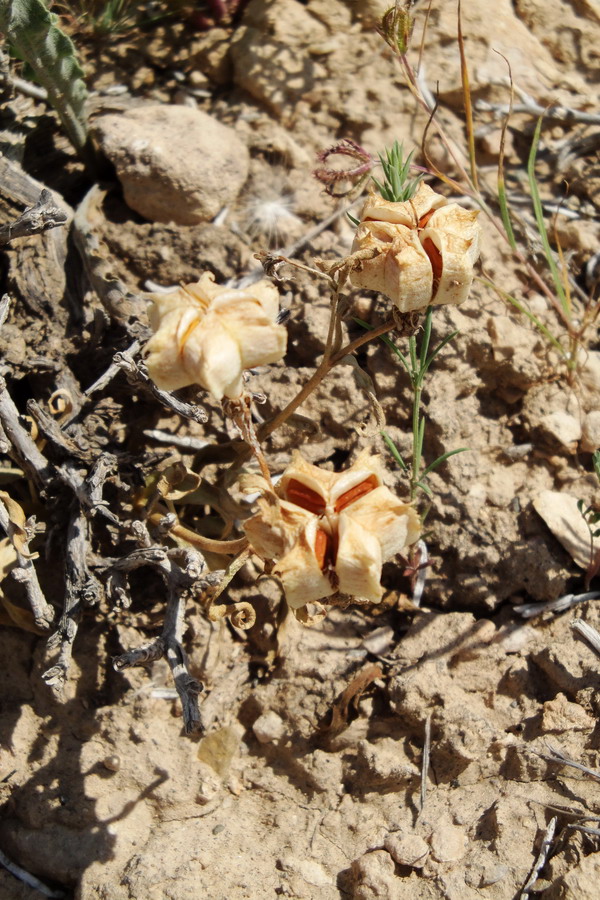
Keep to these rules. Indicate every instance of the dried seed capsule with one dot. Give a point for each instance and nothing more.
(207, 334)
(417, 252)
(330, 532)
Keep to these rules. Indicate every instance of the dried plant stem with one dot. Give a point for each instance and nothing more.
(27, 878)
(82, 590)
(179, 577)
(43, 215)
(23, 449)
(209, 545)
(425, 763)
(240, 411)
(25, 573)
(326, 365)
(541, 859)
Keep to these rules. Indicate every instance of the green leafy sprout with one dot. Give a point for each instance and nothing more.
(34, 37)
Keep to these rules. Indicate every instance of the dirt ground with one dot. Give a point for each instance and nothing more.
(306, 779)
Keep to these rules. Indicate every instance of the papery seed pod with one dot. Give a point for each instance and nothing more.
(331, 532)
(207, 334)
(418, 252)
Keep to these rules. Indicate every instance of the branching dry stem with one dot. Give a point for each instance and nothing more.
(81, 590)
(25, 573)
(180, 570)
(43, 215)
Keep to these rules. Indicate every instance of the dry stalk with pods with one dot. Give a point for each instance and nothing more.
(577, 312)
(324, 534)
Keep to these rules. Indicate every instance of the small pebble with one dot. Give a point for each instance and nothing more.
(112, 763)
(268, 728)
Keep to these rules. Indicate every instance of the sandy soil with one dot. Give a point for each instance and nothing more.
(306, 781)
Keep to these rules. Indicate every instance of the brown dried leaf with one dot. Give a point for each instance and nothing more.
(345, 707)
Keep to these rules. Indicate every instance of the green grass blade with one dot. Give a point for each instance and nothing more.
(439, 347)
(386, 340)
(532, 318)
(539, 218)
(442, 459)
(394, 450)
(425, 488)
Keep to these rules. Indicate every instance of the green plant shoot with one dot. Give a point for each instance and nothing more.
(31, 31)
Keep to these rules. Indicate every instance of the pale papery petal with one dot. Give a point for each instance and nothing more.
(207, 334)
(274, 530)
(400, 269)
(359, 561)
(406, 213)
(211, 358)
(456, 234)
(300, 572)
(395, 524)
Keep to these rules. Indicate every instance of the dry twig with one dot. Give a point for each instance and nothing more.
(25, 573)
(44, 215)
(27, 878)
(541, 860)
(82, 590)
(181, 571)
(588, 633)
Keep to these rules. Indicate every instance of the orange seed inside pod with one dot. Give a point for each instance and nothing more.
(303, 496)
(359, 490)
(435, 258)
(321, 541)
(425, 218)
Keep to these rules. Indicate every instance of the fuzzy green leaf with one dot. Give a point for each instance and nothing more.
(31, 31)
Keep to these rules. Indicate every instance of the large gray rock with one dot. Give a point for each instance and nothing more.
(176, 164)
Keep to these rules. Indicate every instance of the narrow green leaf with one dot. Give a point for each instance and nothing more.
(394, 450)
(539, 218)
(425, 488)
(442, 459)
(532, 318)
(439, 347)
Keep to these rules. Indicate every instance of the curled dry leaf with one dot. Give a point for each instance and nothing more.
(331, 532)
(207, 334)
(417, 252)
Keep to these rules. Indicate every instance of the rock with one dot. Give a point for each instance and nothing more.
(271, 53)
(579, 883)
(323, 770)
(448, 843)
(561, 715)
(590, 432)
(385, 764)
(571, 31)
(310, 871)
(532, 65)
(561, 514)
(176, 164)
(561, 428)
(268, 728)
(589, 375)
(210, 54)
(407, 849)
(374, 877)
(513, 347)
